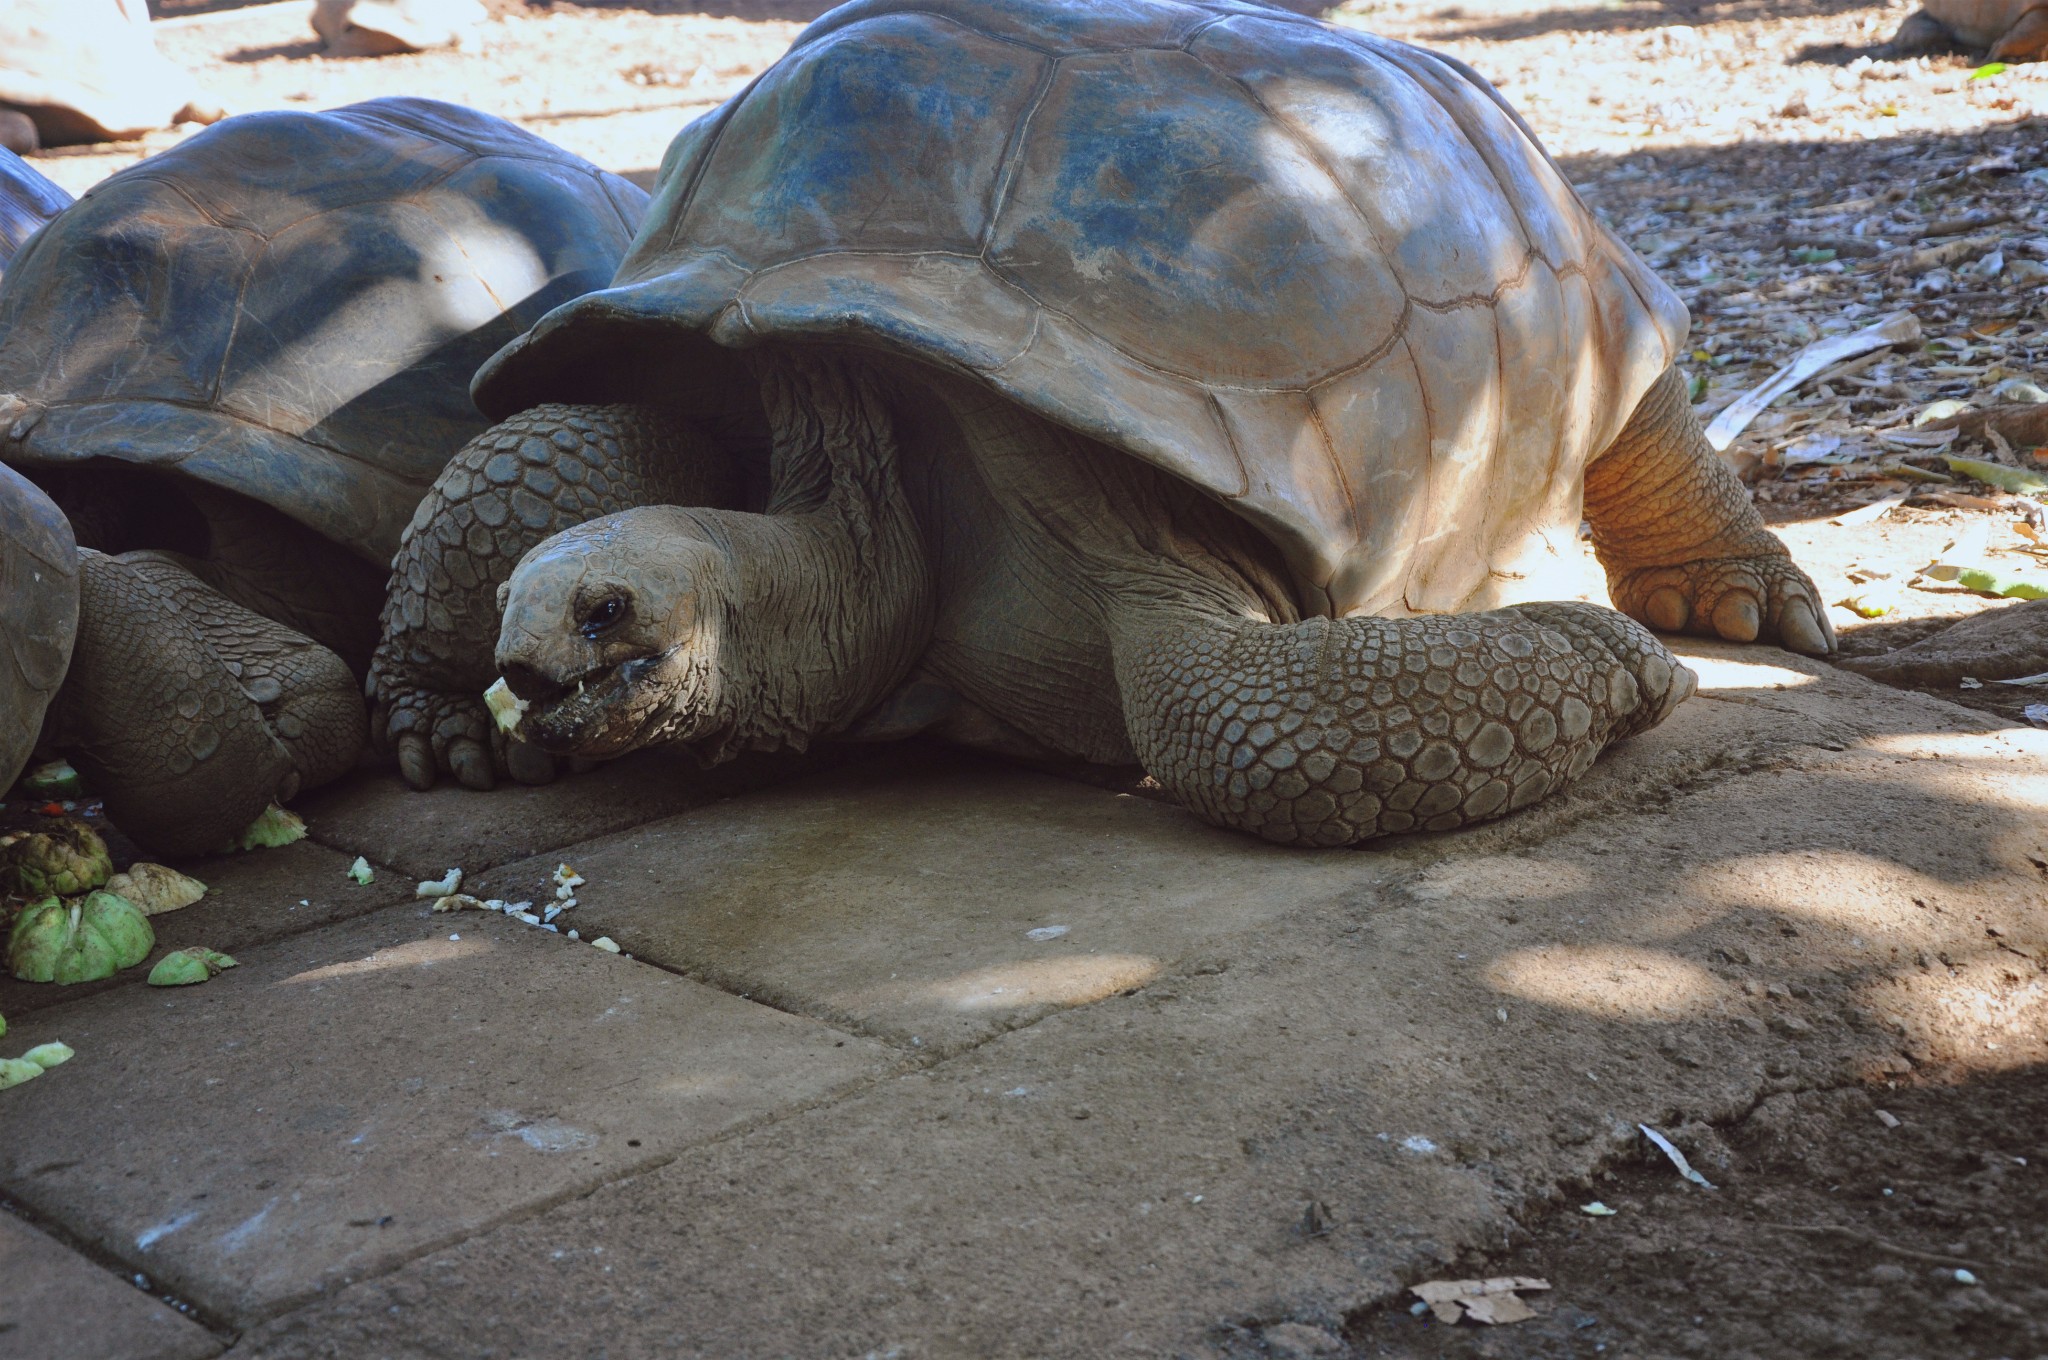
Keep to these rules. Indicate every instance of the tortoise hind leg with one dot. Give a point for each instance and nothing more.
(1683, 548)
(306, 693)
(2026, 40)
(1334, 731)
(158, 724)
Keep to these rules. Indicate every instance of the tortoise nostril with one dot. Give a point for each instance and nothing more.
(530, 685)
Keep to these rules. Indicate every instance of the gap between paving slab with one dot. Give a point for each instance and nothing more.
(424, 834)
(1755, 931)
(349, 1098)
(899, 898)
(56, 1305)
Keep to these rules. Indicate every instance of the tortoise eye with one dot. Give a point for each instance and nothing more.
(602, 615)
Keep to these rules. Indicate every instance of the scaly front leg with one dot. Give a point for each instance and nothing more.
(1334, 731)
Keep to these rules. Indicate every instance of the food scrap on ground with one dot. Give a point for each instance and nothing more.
(32, 1064)
(82, 940)
(439, 887)
(184, 967)
(156, 888)
(274, 827)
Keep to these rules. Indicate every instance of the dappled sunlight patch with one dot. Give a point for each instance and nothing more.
(698, 1085)
(1072, 980)
(1986, 1011)
(1719, 673)
(416, 954)
(1866, 894)
(1614, 982)
(1997, 750)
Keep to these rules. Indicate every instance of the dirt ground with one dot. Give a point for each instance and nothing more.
(1794, 178)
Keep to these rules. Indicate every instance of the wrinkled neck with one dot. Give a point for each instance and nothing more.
(832, 597)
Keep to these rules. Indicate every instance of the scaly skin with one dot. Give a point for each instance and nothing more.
(305, 692)
(520, 482)
(734, 631)
(156, 721)
(1334, 731)
(1684, 549)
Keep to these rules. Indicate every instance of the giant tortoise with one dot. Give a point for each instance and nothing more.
(1157, 382)
(237, 366)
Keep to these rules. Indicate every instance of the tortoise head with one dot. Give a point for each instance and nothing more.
(616, 634)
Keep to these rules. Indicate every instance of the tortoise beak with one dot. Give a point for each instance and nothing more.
(600, 713)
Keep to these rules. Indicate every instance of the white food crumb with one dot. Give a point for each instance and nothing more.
(445, 887)
(1046, 932)
(606, 943)
(573, 935)
(528, 917)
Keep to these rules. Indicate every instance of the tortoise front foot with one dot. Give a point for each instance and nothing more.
(437, 733)
(1765, 598)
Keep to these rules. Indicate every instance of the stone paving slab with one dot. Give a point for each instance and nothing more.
(348, 1098)
(900, 897)
(251, 899)
(1469, 1025)
(424, 834)
(56, 1305)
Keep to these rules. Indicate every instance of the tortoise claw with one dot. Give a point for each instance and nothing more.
(1736, 617)
(529, 764)
(1667, 610)
(416, 761)
(1801, 632)
(470, 762)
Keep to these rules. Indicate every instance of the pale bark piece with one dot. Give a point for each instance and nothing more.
(375, 28)
(1492, 1301)
(1898, 329)
(89, 71)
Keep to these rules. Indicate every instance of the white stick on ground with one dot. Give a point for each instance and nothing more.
(1899, 328)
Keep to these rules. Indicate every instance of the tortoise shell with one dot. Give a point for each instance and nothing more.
(1330, 279)
(38, 614)
(289, 305)
(27, 200)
